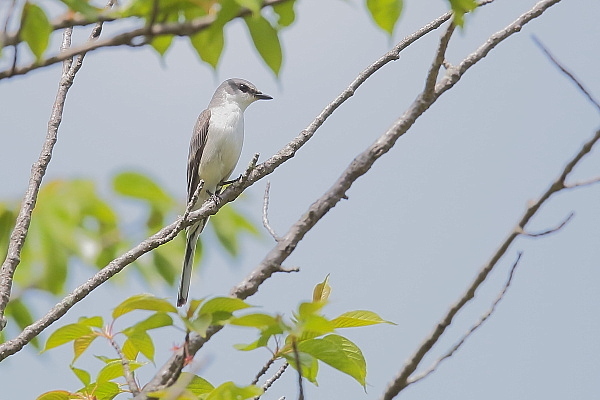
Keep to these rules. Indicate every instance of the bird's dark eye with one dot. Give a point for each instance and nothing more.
(244, 88)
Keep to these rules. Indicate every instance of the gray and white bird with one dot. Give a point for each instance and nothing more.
(215, 149)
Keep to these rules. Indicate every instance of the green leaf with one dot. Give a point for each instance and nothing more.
(194, 304)
(228, 224)
(309, 364)
(142, 342)
(313, 326)
(101, 391)
(96, 322)
(164, 266)
(252, 5)
(129, 350)
(161, 43)
(460, 8)
(306, 310)
(82, 375)
(35, 29)
(81, 344)
(322, 291)
(197, 385)
(106, 360)
(67, 334)
(139, 186)
(385, 13)
(229, 391)
(143, 302)
(265, 41)
(358, 318)
(154, 321)
(209, 44)
(173, 393)
(286, 13)
(114, 369)
(223, 304)
(340, 353)
(20, 313)
(251, 346)
(257, 320)
(55, 395)
(199, 325)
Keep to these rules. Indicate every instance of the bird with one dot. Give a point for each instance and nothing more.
(215, 149)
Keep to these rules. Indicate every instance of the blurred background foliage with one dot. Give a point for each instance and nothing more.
(73, 225)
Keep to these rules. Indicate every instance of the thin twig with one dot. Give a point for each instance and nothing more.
(265, 216)
(188, 209)
(128, 373)
(566, 72)
(269, 382)
(582, 183)
(438, 60)
(548, 231)
(9, 14)
(263, 370)
(477, 325)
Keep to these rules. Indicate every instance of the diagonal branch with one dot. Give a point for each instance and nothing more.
(566, 72)
(269, 382)
(477, 325)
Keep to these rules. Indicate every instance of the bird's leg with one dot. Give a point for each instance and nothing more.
(232, 181)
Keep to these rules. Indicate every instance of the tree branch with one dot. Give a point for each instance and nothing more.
(269, 382)
(129, 377)
(135, 38)
(263, 370)
(565, 71)
(548, 231)
(265, 214)
(479, 323)
(402, 379)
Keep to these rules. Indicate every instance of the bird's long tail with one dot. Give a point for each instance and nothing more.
(192, 234)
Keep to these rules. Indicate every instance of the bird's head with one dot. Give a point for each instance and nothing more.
(241, 91)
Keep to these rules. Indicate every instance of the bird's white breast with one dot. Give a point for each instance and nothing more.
(223, 145)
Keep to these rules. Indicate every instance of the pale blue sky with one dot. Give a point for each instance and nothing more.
(415, 229)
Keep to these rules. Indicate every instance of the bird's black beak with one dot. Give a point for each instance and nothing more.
(262, 96)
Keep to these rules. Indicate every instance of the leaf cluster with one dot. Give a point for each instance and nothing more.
(309, 337)
(264, 23)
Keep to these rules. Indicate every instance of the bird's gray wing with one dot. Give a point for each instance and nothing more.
(197, 145)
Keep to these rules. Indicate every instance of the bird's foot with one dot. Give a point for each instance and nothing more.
(214, 197)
